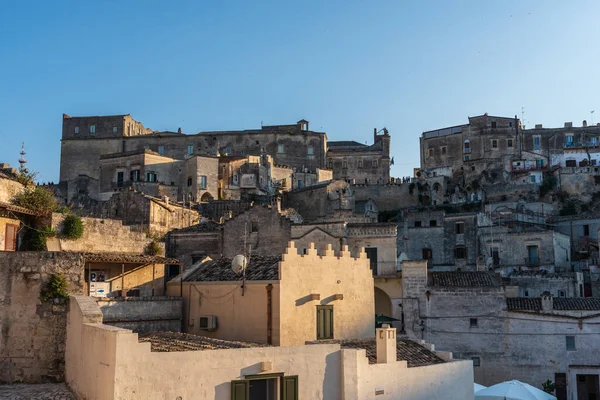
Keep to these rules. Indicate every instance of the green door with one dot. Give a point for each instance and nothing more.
(324, 322)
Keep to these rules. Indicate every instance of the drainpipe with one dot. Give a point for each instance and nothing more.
(269, 314)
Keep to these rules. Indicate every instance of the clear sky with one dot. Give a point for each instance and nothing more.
(346, 66)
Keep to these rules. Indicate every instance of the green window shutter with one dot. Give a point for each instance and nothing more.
(240, 390)
(324, 322)
(289, 388)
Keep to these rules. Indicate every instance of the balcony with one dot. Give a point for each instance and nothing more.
(530, 167)
(467, 150)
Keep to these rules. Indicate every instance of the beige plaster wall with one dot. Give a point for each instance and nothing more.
(3, 223)
(327, 275)
(238, 317)
(451, 380)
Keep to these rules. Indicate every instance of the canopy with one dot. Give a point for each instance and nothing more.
(382, 319)
(478, 387)
(512, 390)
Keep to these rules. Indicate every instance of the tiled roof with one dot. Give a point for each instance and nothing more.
(17, 209)
(541, 274)
(406, 350)
(463, 279)
(128, 258)
(174, 341)
(523, 304)
(576, 303)
(558, 303)
(208, 226)
(345, 143)
(260, 269)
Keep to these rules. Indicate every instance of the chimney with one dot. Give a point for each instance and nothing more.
(386, 345)
(584, 123)
(547, 303)
(166, 199)
(538, 126)
(568, 124)
(278, 203)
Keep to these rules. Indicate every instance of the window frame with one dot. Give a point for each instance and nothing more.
(464, 252)
(476, 361)
(76, 130)
(538, 139)
(161, 149)
(325, 308)
(509, 143)
(495, 144)
(93, 130)
(202, 182)
(461, 230)
(190, 149)
(280, 148)
(572, 341)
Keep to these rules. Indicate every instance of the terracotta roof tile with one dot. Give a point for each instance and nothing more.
(576, 303)
(463, 279)
(127, 258)
(174, 341)
(261, 268)
(523, 304)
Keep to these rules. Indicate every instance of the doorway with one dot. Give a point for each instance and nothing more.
(587, 387)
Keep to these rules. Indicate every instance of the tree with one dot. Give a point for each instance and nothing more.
(37, 199)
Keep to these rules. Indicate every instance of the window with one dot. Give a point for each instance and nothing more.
(10, 238)
(467, 146)
(510, 124)
(561, 293)
(372, 256)
(443, 150)
(253, 226)
(430, 152)
(532, 255)
(473, 322)
(476, 361)
(493, 124)
(134, 175)
(433, 222)
(189, 181)
(570, 163)
(76, 130)
(235, 179)
(460, 252)
(92, 130)
(269, 387)
(324, 322)
(360, 164)
(532, 178)
(344, 164)
(467, 158)
(161, 149)
(570, 343)
(427, 253)
(310, 150)
(374, 163)
(120, 177)
(509, 143)
(280, 148)
(299, 184)
(202, 184)
(495, 253)
(537, 142)
(330, 164)
(586, 230)
(190, 149)
(526, 294)
(417, 224)
(569, 140)
(459, 228)
(494, 143)
(115, 130)
(150, 176)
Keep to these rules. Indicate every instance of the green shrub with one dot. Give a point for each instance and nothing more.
(411, 188)
(548, 184)
(153, 248)
(35, 239)
(72, 227)
(56, 288)
(37, 199)
(548, 386)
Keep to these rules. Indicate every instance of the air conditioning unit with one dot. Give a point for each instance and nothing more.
(208, 322)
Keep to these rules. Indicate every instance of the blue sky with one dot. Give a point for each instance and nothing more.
(346, 66)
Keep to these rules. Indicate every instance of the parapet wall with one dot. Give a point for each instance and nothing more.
(32, 342)
(143, 314)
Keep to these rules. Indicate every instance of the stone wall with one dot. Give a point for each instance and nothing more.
(321, 200)
(102, 235)
(32, 339)
(9, 188)
(387, 196)
(143, 314)
(189, 246)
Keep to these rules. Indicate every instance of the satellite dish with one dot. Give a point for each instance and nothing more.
(239, 264)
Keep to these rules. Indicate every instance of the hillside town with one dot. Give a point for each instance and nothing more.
(272, 263)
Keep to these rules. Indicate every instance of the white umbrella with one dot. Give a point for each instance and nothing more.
(477, 387)
(512, 390)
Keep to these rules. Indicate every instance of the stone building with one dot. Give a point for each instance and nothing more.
(534, 283)
(292, 145)
(447, 240)
(362, 163)
(529, 339)
(302, 295)
(320, 200)
(344, 369)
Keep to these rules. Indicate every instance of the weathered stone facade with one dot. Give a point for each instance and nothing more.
(32, 339)
(319, 201)
(361, 163)
(143, 314)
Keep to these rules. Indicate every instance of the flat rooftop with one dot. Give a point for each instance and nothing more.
(175, 341)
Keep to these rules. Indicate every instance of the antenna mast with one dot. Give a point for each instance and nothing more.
(22, 160)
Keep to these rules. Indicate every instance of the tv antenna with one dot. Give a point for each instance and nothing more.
(592, 117)
(523, 117)
(240, 262)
